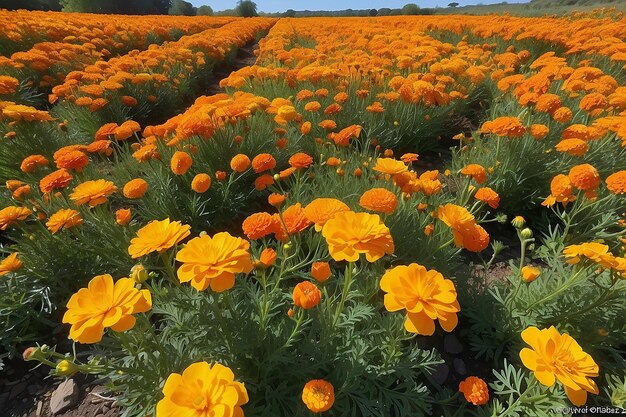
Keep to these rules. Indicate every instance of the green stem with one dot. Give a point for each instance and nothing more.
(566, 285)
(295, 329)
(346, 287)
(169, 270)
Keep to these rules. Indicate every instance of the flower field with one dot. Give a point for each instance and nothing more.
(315, 237)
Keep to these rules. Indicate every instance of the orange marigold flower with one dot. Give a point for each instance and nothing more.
(312, 106)
(92, 192)
(332, 109)
(157, 236)
(390, 166)
(616, 183)
(220, 175)
(259, 225)
(320, 271)
(201, 183)
(504, 126)
(306, 295)
(21, 192)
(202, 390)
(467, 233)
(239, 163)
(305, 128)
(123, 216)
(268, 257)
(126, 130)
(320, 210)
(54, 181)
(328, 124)
(263, 162)
(407, 158)
(12, 214)
(350, 234)
(262, 182)
(555, 356)
(214, 261)
(135, 188)
(530, 273)
(8, 85)
(548, 103)
(487, 195)
(294, 219)
(539, 131)
(180, 162)
(105, 304)
(584, 177)
(574, 147)
(276, 200)
(32, 162)
(593, 103)
(477, 172)
(342, 138)
(64, 219)
(563, 115)
(10, 264)
(425, 295)
(379, 199)
(300, 160)
(333, 162)
(474, 390)
(318, 395)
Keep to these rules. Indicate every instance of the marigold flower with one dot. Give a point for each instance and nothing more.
(487, 195)
(305, 128)
(202, 390)
(562, 115)
(263, 162)
(262, 182)
(10, 264)
(239, 163)
(320, 271)
(105, 304)
(555, 356)
(220, 175)
(54, 181)
(596, 252)
(320, 210)
(407, 158)
(126, 130)
(32, 162)
(379, 199)
(293, 221)
(64, 219)
(539, 131)
(574, 147)
(276, 200)
(474, 390)
(390, 166)
(135, 188)
(350, 234)
(201, 183)
(8, 85)
(328, 124)
(180, 162)
(214, 261)
(548, 103)
(477, 172)
(318, 395)
(530, 273)
(72, 160)
(467, 233)
(268, 257)
(157, 236)
(342, 138)
(425, 295)
(123, 216)
(616, 183)
(584, 177)
(561, 190)
(259, 225)
(504, 126)
(21, 192)
(333, 162)
(300, 160)
(306, 295)
(92, 192)
(12, 214)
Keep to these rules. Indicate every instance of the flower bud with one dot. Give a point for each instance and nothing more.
(518, 222)
(139, 273)
(526, 233)
(66, 368)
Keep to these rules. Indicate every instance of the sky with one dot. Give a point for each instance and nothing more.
(282, 5)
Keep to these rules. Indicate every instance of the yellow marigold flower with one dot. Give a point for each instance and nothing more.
(92, 192)
(379, 199)
(104, 304)
(425, 295)
(214, 261)
(64, 219)
(558, 356)
(530, 273)
(467, 233)
(320, 210)
(474, 390)
(318, 395)
(596, 252)
(202, 390)
(135, 188)
(306, 295)
(157, 236)
(10, 264)
(12, 214)
(350, 234)
(389, 166)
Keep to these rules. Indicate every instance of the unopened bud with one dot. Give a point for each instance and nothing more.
(66, 368)
(139, 273)
(526, 233)
(518, 222)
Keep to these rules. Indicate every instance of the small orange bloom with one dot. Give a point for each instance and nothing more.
(123, 216)
(263, 162)
(320, 271)
(201, 183)
(379, 199)
(306, 295)
(135, 188)
(474, 390)
(239, 163)
(180, 162)
(318, 395)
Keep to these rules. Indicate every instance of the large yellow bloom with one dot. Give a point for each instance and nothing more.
(390, 166)
(320, 210)
(64, 219)
(157, 236)
(425, 295)
(105, 304)
(596, 252)
(10, 264)
(558, 356)
(12, 214)
(350, 234)
(214, 261)
(202, 391)
(92, 192)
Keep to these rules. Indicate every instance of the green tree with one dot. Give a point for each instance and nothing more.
(453, 4)
(117, 6)
(182, 8)
(411, 9)
(385, 11)
(30, 4)
(204, 11)
(290, 13)
(373, 12)
(246, 8)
